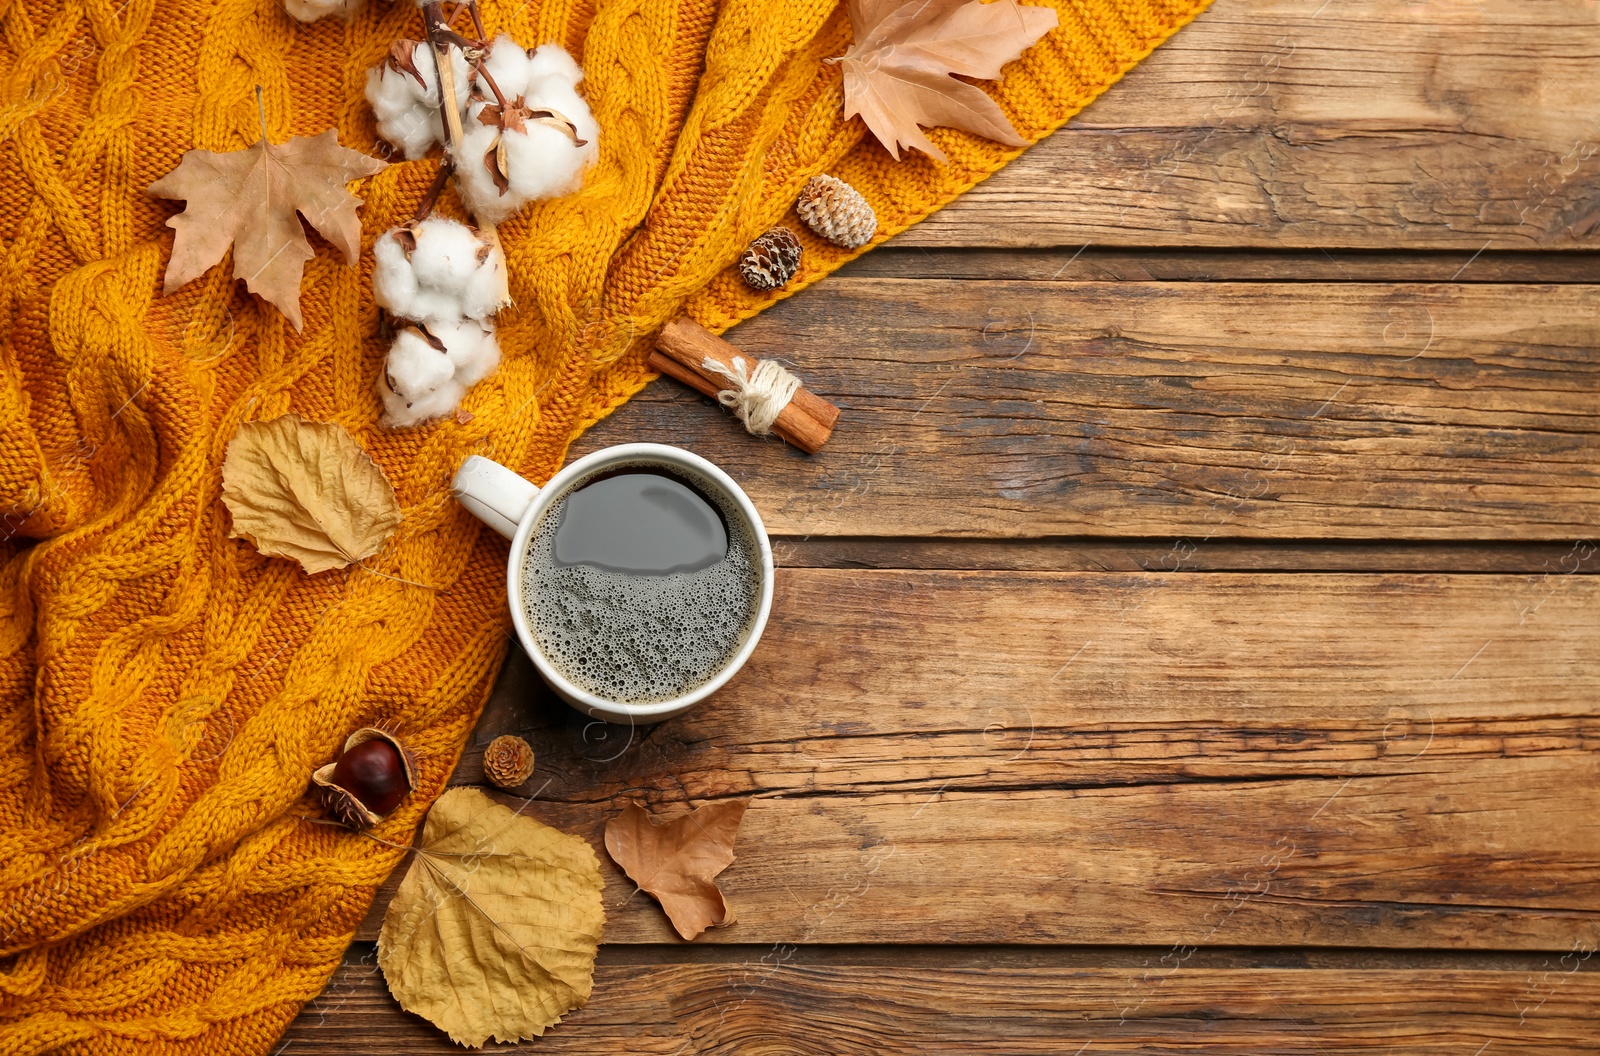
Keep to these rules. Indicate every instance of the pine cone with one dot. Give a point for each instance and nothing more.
(508, 761)
(836, 211)
(771, 260)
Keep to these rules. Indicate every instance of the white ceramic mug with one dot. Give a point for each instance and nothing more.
(514, 507)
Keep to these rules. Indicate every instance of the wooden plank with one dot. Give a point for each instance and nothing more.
(881, 681)
(1207, 410)
(1409, 860)
(1135, 264)
(1378, 124)
(978, 955)
(1154, 555)
(1122, 753)
(775, 1002)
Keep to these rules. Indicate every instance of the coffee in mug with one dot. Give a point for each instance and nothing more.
(641, 582)
(639, 578)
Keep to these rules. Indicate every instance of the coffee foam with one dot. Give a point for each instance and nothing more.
(640, 639)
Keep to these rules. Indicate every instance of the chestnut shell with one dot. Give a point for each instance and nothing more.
(370, 778)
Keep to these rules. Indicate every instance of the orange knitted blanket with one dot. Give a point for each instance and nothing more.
(165, 691)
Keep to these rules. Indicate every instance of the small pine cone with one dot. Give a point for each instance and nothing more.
(836, 211)
(771, 260)
(508, 761)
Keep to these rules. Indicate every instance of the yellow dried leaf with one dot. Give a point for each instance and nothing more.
(677, 860)
(898, 73)
(495, 928)
(307, 491)
(250, 198)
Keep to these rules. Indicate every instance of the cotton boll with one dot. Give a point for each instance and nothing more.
(471, 348)
(404, 121)
(441, 401)
(398, 413)
(543, 163)
(415, 367)
(508, 63)
(552, 60)
(556, 93)
(311, 10)
(418, 381)
(541, 160)
(437, 271)
(429, 369)
(406, 103)
(394, 284)
(546, 80)
(448, 253)
(475, 180)
(397, 286)
(486, 292)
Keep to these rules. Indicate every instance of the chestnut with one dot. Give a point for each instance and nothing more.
(368, 780)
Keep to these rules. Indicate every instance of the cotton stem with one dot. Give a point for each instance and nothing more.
(488, 78)
(447, 166)
(434, 22)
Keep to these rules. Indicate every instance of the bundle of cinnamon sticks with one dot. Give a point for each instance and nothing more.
(682, 352)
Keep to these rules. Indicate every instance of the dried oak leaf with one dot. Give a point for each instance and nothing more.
(494, 929)
(307, 491)
(897, 74)
(250, 198)
(677, 860)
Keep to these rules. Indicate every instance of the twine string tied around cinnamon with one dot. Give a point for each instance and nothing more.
(757, 396)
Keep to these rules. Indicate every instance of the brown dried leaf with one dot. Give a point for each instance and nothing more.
(494, 930)
(677, 860)
(897, 74)
(250, 198)
(307, 491)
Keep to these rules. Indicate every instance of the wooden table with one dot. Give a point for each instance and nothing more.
(1188, 641)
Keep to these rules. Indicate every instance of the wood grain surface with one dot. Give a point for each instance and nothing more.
(1152, 758)
(1092, 263)
(902, 681)
(1379, 124)
(1186, 642)
(766, 1004)
(1031, 408)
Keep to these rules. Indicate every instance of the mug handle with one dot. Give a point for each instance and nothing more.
(493, 494)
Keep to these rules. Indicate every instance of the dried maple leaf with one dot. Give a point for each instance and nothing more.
(250, 198)
(677, 860)
(494, 929)
(307, 491)
(897, 74)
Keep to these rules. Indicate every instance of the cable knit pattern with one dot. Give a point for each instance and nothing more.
(165, 691)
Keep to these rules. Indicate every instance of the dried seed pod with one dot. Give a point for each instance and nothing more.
(368, 780)
(771, 260)
(836, 211)
(508, 761)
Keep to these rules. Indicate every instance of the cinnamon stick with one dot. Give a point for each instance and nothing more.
(683, 347)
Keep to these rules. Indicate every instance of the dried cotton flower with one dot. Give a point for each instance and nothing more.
(430, 369)
(311, 10)
(404, 93)
(438, 270)
(535, 146)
